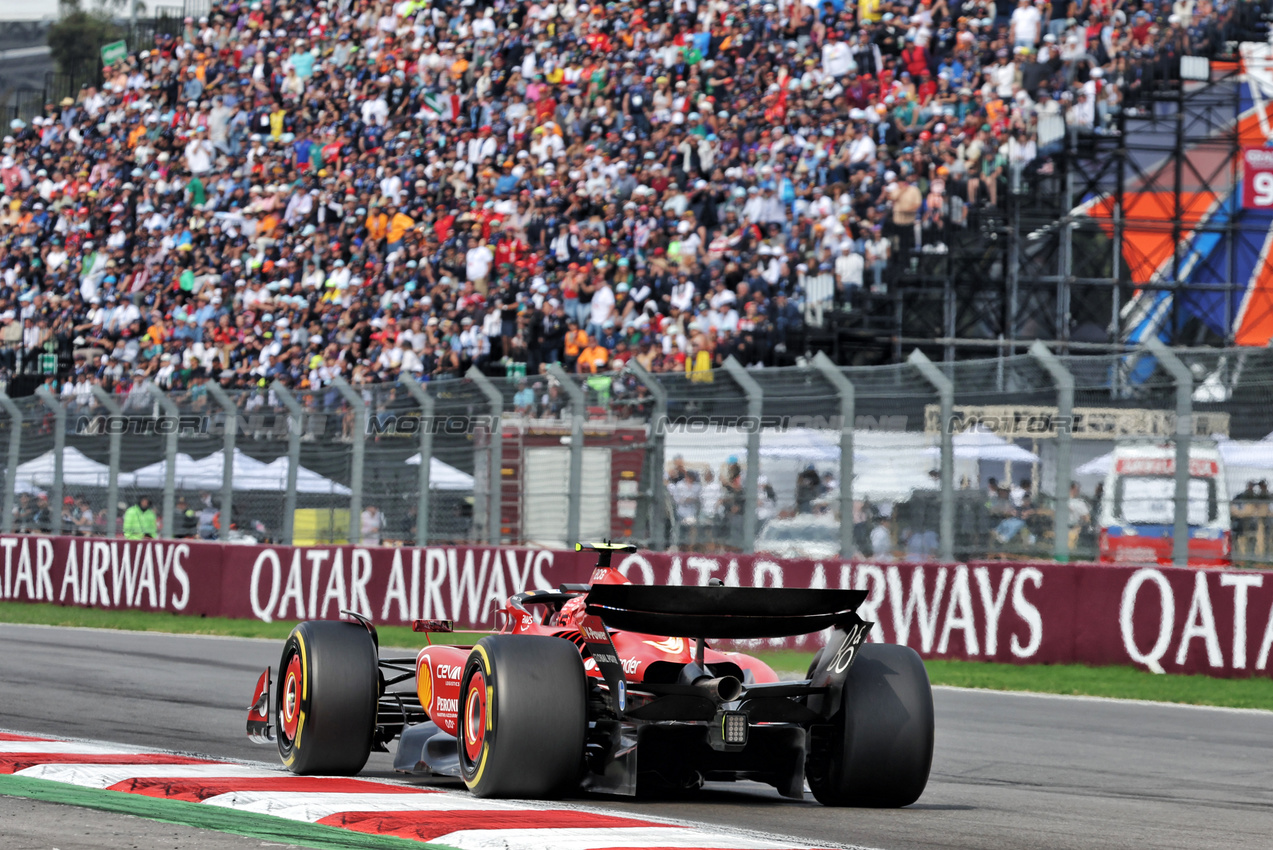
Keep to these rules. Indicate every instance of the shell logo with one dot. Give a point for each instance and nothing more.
(424, 686)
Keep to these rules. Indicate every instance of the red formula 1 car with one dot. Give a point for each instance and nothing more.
(612, 686)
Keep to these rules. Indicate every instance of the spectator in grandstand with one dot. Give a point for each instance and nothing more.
(301, 190)
(881, 540)
(373, 523)
(85, 521)
(1080, 513)
(187, 520)
(140, 521)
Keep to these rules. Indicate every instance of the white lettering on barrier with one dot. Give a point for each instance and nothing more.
(1027, 612)
(397, 589)
(703, 566)
(465, 582)
(1127, 613)
(434, 579)
(293, 589)
(992, 603)
(415, 584)
(179, 553)
(124, 570)
(766, 574)
(43, 563)
(335, 590)
(520, 579)
(674, 576)
(905, 609)
(959, 614)
(638, 563)
(869, 610)
(146, 579)
(1266, 643)
(360, 574)
(263, 612)
(8, 543)
(24, 572)
(313, 589)
(1200, 623)
(1240, 582)
(542, 557)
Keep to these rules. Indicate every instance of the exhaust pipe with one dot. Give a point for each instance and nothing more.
(723, 689)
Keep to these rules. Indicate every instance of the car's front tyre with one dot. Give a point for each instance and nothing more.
(329, 684)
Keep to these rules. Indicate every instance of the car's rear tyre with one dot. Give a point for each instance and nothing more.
(881, 750)
(523, 717)
(329, 684)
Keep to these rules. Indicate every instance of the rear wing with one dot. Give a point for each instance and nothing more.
(716, 611)
(732, 613)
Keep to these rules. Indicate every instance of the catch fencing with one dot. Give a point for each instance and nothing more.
(902, 462)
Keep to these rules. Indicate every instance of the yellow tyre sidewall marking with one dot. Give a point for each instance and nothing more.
(490, 716)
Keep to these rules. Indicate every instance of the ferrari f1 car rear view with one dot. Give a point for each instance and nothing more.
(614, 687)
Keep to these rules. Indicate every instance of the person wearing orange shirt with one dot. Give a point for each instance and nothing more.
(576, 341)
(593, 359)
(399, 224)
(377, 224)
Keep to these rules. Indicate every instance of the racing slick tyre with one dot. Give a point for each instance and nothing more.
(523, 717)
(329, 685)
(881, 749)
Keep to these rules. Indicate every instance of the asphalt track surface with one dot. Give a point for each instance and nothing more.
(1010, 770)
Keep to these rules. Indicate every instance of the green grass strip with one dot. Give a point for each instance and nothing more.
(250, 824)
(48, 614)
(1077, 679)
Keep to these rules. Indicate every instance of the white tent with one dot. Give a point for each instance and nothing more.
(986, 446)
(273, 476)
(443, 476)
(806, 444)
(248, 474)
(78, 470)
(190, 475)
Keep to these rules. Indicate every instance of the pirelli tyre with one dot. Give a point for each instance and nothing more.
(329, 684)
(523, 717)
(881, 747)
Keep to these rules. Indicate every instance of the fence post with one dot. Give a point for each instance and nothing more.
(422, 397)
(294, 430)
(354, 399)
(170, 458)
(658, 494)
(751, 482)
(578, 411)
(221, 397)
(1184, 436)
(1064, 445)
(116, 410)
(946, 391)
(495, 449)
(59, 448)
(848, 401)
(15, 454)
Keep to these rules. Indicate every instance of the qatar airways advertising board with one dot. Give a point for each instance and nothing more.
(1217, 622)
